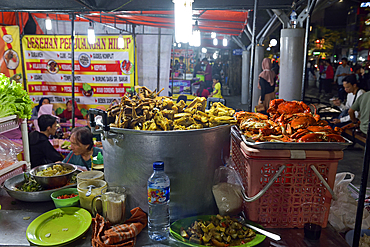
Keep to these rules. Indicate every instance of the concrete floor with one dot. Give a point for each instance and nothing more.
(353, 156)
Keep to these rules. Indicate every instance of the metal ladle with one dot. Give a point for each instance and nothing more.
(88, 193)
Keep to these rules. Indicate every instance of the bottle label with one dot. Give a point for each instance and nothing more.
(158, 195)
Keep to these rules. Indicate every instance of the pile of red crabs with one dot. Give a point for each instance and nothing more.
(288, 121)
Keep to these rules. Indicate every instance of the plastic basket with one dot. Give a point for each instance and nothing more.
(8, 123)
(13, 170)
(281, 205)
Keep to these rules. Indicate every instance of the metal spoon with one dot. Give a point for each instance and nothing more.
(88, 193)
(264, 232)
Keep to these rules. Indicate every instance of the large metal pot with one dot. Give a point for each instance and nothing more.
(190, 159)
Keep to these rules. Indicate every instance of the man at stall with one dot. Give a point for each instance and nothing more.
(342, 71)
(362, 105)
(82, 146)
(41, 150)
(207, 74)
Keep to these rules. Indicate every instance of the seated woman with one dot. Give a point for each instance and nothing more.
(45, 109)
(82, 146)
(350, 85)
(202, 90)
(35, 110)
(67, 113)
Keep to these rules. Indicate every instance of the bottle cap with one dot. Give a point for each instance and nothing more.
(158, 165)
(98, 160)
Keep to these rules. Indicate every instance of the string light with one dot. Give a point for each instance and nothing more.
(213, 35)
(183, 20)
(91, 34)
(48, 24)
(196, 35)
(224, 42)
(121, 43)
(215, 42)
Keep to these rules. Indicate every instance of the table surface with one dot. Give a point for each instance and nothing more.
(13, 228)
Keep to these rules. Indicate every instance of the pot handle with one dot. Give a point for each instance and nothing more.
(92, 112)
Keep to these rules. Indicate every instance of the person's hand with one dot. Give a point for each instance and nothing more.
(336, 102)
(335, 121)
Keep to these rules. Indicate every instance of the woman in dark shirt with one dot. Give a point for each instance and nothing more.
(266, 83)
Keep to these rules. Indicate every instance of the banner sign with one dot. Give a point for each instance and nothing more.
(10, 54)
(103, 72)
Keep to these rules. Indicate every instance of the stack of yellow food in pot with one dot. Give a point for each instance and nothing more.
(147, 111)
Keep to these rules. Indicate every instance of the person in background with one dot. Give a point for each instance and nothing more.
(329, 78)
(181, 66)
(353, 92)
(46, 109)
(197, 68)
(342, 71)
(217, 67)
(67, 113)
(359, 72)
(322, 75)
(202, 90)
(266, 83)
(82, 146)
(35, 110)
(362, 105)
(216, 87)
(207, 74)
(41, 150)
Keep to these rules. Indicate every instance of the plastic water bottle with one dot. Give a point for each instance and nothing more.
(293, 19)
(158, 200)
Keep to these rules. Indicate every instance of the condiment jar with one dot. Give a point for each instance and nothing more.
(85, 201)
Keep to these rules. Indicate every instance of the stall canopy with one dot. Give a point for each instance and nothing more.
(220, 21)
(134, 5)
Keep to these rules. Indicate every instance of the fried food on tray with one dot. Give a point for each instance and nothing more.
(148, 111)
(289, 121)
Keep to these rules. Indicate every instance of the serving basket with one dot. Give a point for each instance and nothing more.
(302, 176)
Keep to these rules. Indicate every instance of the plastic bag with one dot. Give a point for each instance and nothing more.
(227, 191)
(8, 152)
(343, 211)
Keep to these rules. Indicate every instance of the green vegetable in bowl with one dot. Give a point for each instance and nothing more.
(30, 184)
(14, 99)
(66, 145)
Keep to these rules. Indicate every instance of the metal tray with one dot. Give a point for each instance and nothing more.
(338, 146)
(39, 196)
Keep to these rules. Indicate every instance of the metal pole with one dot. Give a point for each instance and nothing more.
(362, 194)
(159, 58)
(305, 56)
(134, 35)
(253, 43)
(73, 67)
(173, 62)
(21, 33)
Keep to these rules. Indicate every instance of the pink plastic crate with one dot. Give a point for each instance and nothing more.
(281, 205)
(12, 173)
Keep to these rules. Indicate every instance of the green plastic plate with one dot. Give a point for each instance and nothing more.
(59, 226)
(185, 223)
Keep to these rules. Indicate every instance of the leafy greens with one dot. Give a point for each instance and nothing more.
(14, 99)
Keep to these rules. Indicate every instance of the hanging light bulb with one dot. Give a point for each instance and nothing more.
(179, 45)
(196, 35)
(213, 35)
(91, 34)
(183, 20)
(215, 42)
(224, 42)
(215, 55)
(121, 43)
(204, 50)
(174, 44)
(48, 23)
